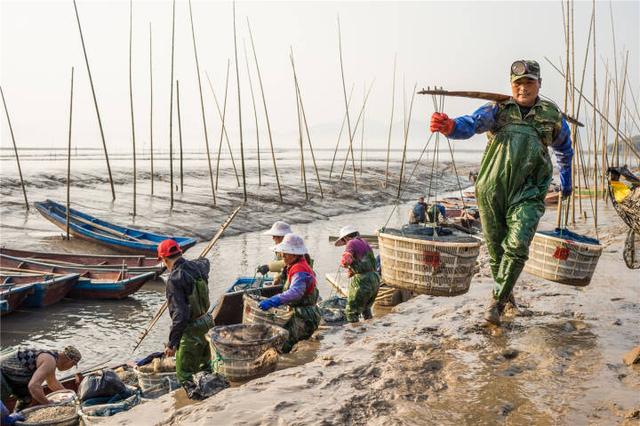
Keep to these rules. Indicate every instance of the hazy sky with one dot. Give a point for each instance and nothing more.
(458, 45)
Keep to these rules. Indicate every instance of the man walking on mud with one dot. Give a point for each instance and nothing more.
(515, 172)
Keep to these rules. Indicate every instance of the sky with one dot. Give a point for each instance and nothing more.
(455, 44)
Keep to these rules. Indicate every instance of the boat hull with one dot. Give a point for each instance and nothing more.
(87, 289)
(13, 298)
(49, 292)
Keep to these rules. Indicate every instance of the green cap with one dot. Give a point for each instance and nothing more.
(525, 69)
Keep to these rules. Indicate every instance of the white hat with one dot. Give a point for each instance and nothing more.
(346, 230)
(279, 229)
(291, 244)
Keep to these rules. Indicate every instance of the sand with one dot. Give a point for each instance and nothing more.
(558, 360)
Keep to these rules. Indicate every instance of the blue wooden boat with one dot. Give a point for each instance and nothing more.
(120, 238)
(92, 284)
(247, 283)
(12, 296)
(48, 289)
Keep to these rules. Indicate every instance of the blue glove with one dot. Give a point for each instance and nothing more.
(10, 419)
(272, 302)
(565, 181)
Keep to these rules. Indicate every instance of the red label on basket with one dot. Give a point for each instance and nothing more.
(431, 258)
(561, 253)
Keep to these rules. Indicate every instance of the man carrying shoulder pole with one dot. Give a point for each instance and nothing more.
(515, 172)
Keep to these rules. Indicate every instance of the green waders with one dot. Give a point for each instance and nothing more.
(193, 353)
(513, 180)
(305, 319)
(363, 288)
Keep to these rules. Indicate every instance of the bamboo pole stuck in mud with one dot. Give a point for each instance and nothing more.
(133, 125)
(346, 106)
(15, 149)
(344, 119)
(255, 111)
(235, 49)
(151, 104)
(303, 172)
(355, 128)
(223, 129)
(173, 33)
(406, 138)
(204, 117)
(362, 132)
(619, 102)
(306, 124)
(95, 102)
(615, 74)
(593, 119)
(393, 98)
(180, 136)
(69, 158)
(266, 112)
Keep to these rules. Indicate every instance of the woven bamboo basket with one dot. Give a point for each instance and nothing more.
(245, 351)
(427, 266)
(562, 261)
(252, 314)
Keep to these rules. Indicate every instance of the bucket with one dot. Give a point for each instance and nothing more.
(252, 314)
(154, 384)
(561, 260)
(438, 266)
(245, 351)
(68, 415)
(389, 296)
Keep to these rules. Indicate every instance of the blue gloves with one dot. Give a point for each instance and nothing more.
(272, 302)
(565, 181)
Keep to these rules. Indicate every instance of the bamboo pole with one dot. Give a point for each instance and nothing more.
(593, 118)
(635, 102)
(15, 149)
(173, 33)
(620, 100)
(406, 139)
(344, 119)
(223, 130)
(204, 118)
(355, 128)
(393, 97)
(255, 111)
(346, 105)
(576, 157)
(364, 89)
(69, 156)
(180, 136)
(266, 113)
(303, 173)
(615, 69)
(95, 102)
(306, 125)
(235, 47)
(151, 103)
(133, 126)
(604, 134)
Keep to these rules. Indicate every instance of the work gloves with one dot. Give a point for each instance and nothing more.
(565, 181)
(272, 302)
(440, 122)
(264, 269)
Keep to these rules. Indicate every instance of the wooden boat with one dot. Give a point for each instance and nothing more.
(120, 238)
(93, 261)
(247, 283)
(12, 296)
(93, 283)
(47, 289)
